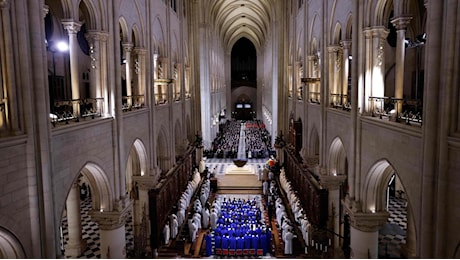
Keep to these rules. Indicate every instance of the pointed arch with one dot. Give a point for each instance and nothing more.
(313, 144)
(337, 158)
(162, 150)
(10, 246)
(124, 30)
(375, 185)
(178, 138)
(349, 27)
(337, 34)
(101, 192)
(138, 40)
(88, 15)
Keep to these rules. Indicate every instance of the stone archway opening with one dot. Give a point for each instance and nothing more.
(385, 192)
(80, 231)
(10, 247)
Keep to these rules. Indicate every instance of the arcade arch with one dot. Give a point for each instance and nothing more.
(10, 247)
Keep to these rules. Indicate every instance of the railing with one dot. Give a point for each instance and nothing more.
(339, 101)
(161, 99)
(388, 107)
(73, 110)
(133, 102)
(315, 97)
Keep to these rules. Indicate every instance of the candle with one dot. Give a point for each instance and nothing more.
(321, 247)
(329, 241)
(325, 248)
(316, 246)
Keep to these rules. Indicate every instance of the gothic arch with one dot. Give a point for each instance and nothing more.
(375, 185)
(162, 150)
(337, 36)
(178, 138)
(349, 27)
(313, 144)
(337, 158)
(124, 37)
(88, 15)
(136, 164)
(137, 39)
(158, 35)
(101, 193)
(382, 12)
(10, 247)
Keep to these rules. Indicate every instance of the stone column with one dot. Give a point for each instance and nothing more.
(141, 71)
(76, 245)
(98, 56)
(368, 63)
(334, 69)
(401, 24)
(409, 249)
(346, 45)
(379, 35)
(72, 29)
(112, 232)
(128, 47)
(364, 233)
(332, 184)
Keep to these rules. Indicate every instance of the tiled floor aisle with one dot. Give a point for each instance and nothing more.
(393, 234)
(90, 232)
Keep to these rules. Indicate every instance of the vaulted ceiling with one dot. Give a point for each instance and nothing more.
(242, 18)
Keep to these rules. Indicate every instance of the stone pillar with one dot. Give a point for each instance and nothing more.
(332, 184)
(128, 47)
(98, 56)
(379, 35)
(401, 24)
(368, 63)
(364, 233)
(334, 69)
(409, 249)
(112, 232)
(76, 245)
(72, 29)
(346, 45)
(141, 71)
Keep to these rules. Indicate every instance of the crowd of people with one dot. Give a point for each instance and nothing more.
(226, 143)
(258, 140)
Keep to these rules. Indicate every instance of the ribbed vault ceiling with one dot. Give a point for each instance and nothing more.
(242, 18)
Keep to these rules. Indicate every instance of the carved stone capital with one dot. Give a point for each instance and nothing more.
(140, 51)
(96, 35)
(334, 48)
(4, 4)
(71, 26)
(368, 222)
(127, 46)
(401, 22)
(109, 220)
(346, 44)
(331, 182)
(379, 32)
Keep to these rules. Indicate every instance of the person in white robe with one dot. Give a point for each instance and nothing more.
(288, 236)
(166, 233)
(174, 226)
(205, 217)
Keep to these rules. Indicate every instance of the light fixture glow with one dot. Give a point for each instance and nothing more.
(62, 46)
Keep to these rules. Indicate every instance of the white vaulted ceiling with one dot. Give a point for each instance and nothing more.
(242, 18)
